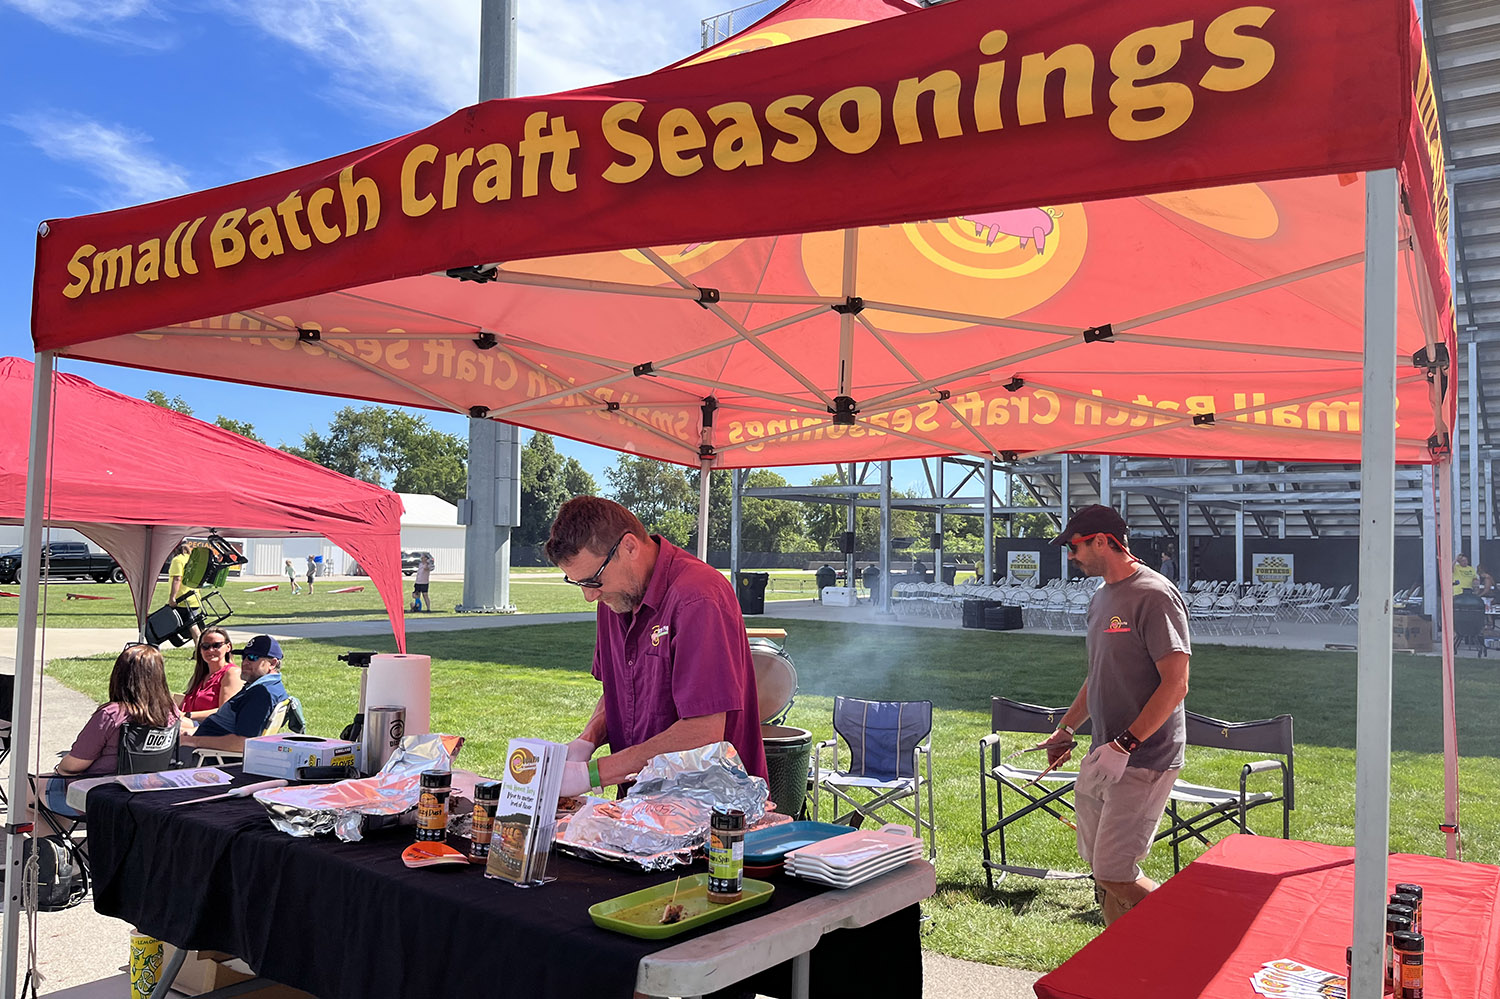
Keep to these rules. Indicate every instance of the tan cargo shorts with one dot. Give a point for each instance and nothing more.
(1116, 821)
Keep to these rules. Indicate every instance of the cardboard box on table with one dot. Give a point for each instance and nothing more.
(209, 970)
(282, 755)
(1411, 631)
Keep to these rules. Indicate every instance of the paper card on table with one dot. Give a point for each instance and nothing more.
(1289, 966)
(167, 780)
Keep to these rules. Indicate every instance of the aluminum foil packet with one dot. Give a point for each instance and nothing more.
(664, 817)
(345, 808)
(712, 774)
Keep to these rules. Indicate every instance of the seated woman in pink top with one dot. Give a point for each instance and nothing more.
(216, 678)
(138, 693)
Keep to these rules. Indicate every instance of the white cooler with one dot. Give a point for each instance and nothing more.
(840, 596)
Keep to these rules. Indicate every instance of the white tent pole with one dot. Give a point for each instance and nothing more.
(736, 518)
(1431, 543)
(26, 616)
(989, 521)
(1377, 516)
(1445, 512)
(705, 470)
(1066, 482)
(1473, 453)
(885, 537)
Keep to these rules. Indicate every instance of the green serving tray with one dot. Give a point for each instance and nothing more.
(639, 913)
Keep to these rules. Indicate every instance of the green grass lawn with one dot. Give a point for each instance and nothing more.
(493, 684)
(534, 591)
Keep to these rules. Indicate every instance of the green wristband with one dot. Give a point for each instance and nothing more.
(594, 780)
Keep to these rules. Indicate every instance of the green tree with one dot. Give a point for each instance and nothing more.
(770, 525)
(237, 427)
(650, 489)
(1029, 525)
(543, 488)
(176, 403)
(577, 481)
(377, 445)
(825, 521)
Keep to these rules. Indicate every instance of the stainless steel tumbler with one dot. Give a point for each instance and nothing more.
(384, 727)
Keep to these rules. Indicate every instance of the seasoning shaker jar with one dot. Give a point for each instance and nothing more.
(482, 824)
(1411, 895)
(432, 805)
(1409, 954)
(726, 855)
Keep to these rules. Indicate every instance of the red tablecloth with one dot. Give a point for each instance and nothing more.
(1251, 899)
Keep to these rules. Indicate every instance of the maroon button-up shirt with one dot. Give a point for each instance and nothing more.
(682, 654)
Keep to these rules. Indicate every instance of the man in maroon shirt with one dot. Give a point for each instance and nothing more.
(670, 647)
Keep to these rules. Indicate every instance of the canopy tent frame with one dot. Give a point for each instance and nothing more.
(1373, 131)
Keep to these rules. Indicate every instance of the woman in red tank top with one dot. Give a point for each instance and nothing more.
(216, 677)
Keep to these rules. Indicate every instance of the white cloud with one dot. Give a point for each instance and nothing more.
(101, 20)
(131, 174)
(414, 64)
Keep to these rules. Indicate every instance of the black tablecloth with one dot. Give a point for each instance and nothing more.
(350, 920)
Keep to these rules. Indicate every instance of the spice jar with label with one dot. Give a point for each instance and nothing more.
(726, 855)
(432, 805)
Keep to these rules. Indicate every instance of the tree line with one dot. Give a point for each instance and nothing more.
(403, 452)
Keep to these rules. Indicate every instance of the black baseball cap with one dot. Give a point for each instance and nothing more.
(1095, 519)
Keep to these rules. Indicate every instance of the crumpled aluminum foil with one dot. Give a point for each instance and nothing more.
(664, 817)
(712, 774)
(346, 808)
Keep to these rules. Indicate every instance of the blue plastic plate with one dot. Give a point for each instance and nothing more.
(770, 846)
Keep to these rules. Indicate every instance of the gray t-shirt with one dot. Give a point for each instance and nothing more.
(1132, 624)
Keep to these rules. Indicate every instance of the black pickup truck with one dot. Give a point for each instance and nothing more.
(66, 560)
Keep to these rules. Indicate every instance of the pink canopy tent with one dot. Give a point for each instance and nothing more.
(862, 231)
(164, 476)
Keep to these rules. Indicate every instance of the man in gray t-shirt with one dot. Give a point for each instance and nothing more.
(1138, 651)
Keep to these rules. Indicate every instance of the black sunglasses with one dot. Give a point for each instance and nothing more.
(214, 645)
(593, 583)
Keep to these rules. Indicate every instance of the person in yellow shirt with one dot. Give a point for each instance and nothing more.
(180, 595)
(1463, 574)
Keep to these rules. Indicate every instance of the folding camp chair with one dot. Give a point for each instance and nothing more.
(1193, 809)
(884, 738)
(143, 749)
(1051, 793)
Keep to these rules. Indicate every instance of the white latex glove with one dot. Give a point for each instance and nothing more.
(580, 751)
(1106, 764)
(575, 779)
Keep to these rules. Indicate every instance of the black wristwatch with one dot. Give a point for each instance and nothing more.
(1127, 742)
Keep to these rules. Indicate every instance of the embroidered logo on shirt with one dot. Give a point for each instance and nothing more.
(1117, 626)
(658, 633)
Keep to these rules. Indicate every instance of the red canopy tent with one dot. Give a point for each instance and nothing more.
(137, 495)
(1161, 228)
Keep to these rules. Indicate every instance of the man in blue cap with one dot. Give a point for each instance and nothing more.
(246, 714)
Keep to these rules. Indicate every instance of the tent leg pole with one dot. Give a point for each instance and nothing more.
(1377, 514)
(26, 672)
(989, 521)
(704, 471)
(1445, 514)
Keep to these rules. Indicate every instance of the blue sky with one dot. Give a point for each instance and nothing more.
(110, 103)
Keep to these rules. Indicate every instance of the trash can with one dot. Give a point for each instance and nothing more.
(871, 575)
(948, 573)
(788, 749)
(826, 576)
(750, 587)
